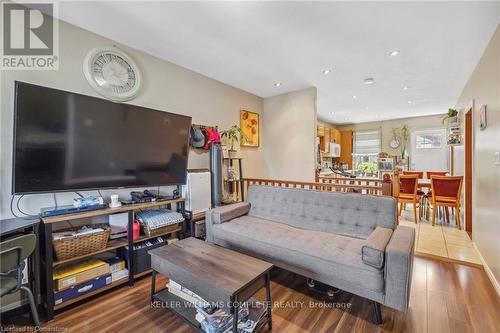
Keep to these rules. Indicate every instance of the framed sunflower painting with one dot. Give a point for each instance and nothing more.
(249, 123)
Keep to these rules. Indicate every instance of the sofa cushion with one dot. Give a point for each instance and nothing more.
(336, 257)
(350, 214)
(373, 250)
(226, 213)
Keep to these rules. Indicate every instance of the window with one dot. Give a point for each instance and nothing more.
(428, 140)
(365, 153)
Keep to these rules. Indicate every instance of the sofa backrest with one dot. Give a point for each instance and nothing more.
(350, 214)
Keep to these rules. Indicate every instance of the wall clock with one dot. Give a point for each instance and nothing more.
(112, 73)
(394, 143)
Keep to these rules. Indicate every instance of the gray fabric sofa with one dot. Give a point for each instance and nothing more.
(346, 240)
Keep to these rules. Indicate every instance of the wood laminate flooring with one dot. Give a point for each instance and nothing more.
(445, 297)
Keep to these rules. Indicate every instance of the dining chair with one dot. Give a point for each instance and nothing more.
(429, 174)
(419, 174)
(408, 193)
(12, 255)
(446, 192)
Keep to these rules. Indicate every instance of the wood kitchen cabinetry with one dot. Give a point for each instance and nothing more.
(324, 138)
(326, 135)
(321, 131)
(344, 138)
(346, 148)
(335, 136)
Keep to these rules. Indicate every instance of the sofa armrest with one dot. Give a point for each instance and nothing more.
(223, 214)
(373, 251)
(399, 267)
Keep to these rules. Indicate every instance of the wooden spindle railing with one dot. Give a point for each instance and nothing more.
(363, 186)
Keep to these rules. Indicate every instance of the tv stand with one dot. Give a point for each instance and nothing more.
(47, 256)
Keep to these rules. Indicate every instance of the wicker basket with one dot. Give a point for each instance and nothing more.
(71, 247)
(160, 231)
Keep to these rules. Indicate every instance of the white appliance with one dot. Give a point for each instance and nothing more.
(118, 223)
(334, 149)
(197, 191)
(457, 160)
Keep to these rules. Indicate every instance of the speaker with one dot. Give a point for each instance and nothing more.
(216, 173)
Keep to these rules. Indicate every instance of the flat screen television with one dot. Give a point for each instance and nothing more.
(67, 142)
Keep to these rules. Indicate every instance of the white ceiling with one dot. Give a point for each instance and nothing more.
(252, 45)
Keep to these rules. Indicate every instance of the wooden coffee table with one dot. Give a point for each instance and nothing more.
(214, 273)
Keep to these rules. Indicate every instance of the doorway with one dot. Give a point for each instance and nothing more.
(469, 144)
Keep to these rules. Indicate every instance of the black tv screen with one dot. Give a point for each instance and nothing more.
(66, 142)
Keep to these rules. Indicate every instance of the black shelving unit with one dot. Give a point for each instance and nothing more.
(239, 181)
(47, 262)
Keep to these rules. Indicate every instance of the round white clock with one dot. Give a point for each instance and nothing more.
(394, 143)
(112, 73)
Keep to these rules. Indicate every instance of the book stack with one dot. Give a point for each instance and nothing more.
(219, 319)
(186, 294)
(117, 268)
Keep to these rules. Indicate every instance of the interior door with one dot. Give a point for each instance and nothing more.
(429, 151)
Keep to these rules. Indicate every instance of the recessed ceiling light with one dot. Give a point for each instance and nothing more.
(277, 84)
(354, 96)
(326, 71)
(409, 102)
(369, 80)
(366, 108)
(406, 88)
(394, 53)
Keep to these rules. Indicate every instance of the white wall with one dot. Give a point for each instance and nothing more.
(166, 87)
(290, 135)
(484, 88)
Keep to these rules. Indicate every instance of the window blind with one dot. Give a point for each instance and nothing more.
(366, 143)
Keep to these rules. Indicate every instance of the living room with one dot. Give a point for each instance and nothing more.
(246, 112)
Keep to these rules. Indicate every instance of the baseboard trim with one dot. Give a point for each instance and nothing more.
(488, 271)
(446, 259)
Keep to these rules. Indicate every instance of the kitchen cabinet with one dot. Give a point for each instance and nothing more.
(346, 148)
(326, 136)
(335, 136)
(321, 131)
(324, 141)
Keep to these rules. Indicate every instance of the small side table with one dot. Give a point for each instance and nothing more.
(210, 277)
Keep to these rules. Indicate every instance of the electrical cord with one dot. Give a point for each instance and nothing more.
(81, 196)
(27, 216)
(20, 210)
(55, 200)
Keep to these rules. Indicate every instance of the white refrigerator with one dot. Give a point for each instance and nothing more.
(457, 160)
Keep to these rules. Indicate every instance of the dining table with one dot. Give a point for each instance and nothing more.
(424, 182)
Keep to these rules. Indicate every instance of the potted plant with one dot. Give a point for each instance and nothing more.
(452, 113)
(401, 135)
(233, 134)
(404, 136)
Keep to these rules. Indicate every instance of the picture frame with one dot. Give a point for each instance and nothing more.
(482, 118)
(250, 128)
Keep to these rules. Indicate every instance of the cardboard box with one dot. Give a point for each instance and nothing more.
(82, 288)
(71, 275)
(118, 275)
(116, 264)
(172, 240)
